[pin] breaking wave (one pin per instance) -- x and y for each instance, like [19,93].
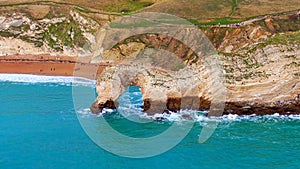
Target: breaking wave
[61,80]
[196,116]
[132,102]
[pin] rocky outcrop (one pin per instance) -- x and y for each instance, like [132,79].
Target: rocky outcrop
[173,70]
[261,70]
[261,93]
[67,34]
[162,89]
[260,63]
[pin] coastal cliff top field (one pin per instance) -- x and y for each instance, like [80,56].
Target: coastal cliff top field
[203,10]
[198,10]
[73,14]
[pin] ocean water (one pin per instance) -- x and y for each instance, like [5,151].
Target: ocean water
[39,128]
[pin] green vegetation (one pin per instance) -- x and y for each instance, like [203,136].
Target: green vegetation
[246,65]
[6,34]
[234,6]
[132,25]
[47,2]
[22,28]
[83,10]
[67,34]
[36,42]
[32,3]
[284,39]
[217,21]
[278,39]
[192,9]
[17,4]
[127,7]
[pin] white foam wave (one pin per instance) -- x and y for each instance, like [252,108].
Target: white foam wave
[62,80]
[85,113]
[255,118]
[201,117]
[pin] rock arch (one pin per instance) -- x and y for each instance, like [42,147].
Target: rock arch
[179,65]
[163,75]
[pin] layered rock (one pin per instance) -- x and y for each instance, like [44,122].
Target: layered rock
[262,76]
[188,88]
[260,60]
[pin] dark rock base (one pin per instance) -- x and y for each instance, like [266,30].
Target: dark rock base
[239,108]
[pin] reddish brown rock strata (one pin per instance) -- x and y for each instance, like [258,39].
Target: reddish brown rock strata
[239,108]
[286,107]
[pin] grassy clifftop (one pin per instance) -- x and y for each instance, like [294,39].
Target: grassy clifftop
[209,10]
[198,10]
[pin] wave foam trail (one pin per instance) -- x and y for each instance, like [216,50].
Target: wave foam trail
[31,79]
[197,116]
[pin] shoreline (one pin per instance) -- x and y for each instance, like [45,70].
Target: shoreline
[81,67]
[50,65]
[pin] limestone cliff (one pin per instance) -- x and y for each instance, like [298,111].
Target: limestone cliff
[44,29]
[261,60]
[261,63]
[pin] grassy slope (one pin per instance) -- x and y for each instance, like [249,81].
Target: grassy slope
[103,5]
[204,10]
[197,11]
[200,10]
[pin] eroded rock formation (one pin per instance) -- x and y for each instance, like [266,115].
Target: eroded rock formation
[260,61]
[261,70]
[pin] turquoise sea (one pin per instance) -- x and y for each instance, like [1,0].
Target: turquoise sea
[39,128]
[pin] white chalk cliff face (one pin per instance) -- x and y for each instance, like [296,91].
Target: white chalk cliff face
[12,46]
[66,35]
